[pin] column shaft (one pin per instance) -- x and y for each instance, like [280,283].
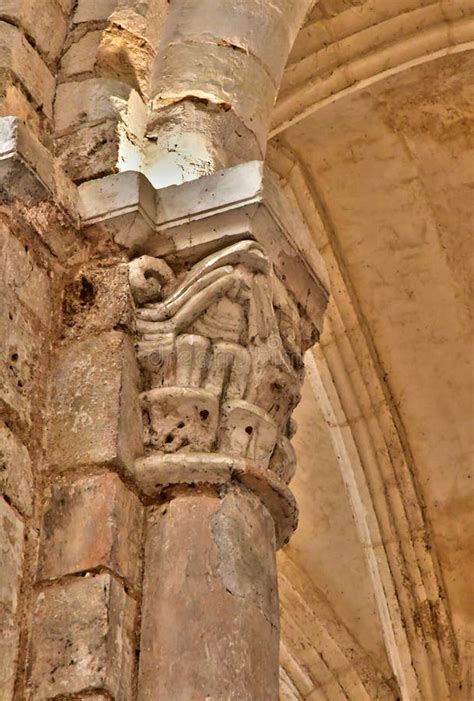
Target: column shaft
[210,608]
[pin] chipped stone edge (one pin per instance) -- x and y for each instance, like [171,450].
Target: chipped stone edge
[155,473]
[40,178]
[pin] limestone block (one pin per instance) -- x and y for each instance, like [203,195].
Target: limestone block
[11,563]
[24,277]
[16,478]
[95,522]
[95,411]
[37,17]
[81,56]
[18,57]
[98,299]
[82,639]
[93,10]
[87,102]
[89,152]
[21,347]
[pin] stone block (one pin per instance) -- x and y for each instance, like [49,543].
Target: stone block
[16,478]
[89,152]
[93,10]
[95,410]
[37,17]
[21,345]
[11,564]
[109,301]
[81,56]
[18,57]
[82,639]
[95,522]
[87,102]
[240,24]
[24,277]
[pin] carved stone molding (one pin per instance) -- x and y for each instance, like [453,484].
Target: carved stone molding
[220,344]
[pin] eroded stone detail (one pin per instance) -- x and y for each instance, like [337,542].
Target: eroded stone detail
[220,346]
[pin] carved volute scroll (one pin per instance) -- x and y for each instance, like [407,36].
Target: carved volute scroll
[220,346]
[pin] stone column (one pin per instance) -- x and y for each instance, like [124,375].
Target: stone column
[216,76]
[220,347]
[224,308]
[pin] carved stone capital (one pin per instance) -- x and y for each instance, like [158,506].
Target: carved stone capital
[220,344]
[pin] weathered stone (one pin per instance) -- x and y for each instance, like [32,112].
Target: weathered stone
[16,478]
[11,535]
[21,343]
[98,299]
[81,56]
[18,56]
[238,25]
[66,5]
[23,276]
[93,10]
[90,151]
[87,102]
[179,79]
[11,563]
[9,644]
[36,179]
[82,639]
[96,522]
[95,412]
[37,17]
[14,102]
[210,571]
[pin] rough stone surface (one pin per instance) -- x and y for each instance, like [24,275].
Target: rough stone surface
[109,535]
[82,639]
[11,562]
[81,56]
[210,575]
[18,56]
[24,317]
[16,478]
[93,10]
[87,102]
[23,276]
[95,413]
[98,299]
[37,17]
[21,346]
[90,151]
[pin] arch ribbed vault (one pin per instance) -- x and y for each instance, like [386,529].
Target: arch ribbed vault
[347,46]
[372,138]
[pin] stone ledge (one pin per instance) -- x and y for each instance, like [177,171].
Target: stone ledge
[197,217]
[155,473]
